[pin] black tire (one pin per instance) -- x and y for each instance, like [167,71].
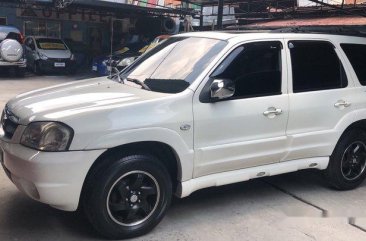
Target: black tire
[116,179]
[339,172]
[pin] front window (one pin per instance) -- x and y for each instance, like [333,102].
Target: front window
[50,44]
[174,64]
[255,68]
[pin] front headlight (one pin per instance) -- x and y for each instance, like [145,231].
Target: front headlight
[47,136]
[42,56]
[126,61]
[72,57]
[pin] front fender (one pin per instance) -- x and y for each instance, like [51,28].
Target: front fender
[158,134]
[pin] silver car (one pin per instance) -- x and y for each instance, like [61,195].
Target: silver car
[48,55]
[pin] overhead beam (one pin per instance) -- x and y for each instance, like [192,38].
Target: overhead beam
[220,13]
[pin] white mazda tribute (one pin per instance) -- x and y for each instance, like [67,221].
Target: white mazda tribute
[200,110]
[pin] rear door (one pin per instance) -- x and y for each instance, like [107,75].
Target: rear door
[321,94]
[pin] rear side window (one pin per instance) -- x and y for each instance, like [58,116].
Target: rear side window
[315,66]
[356,54]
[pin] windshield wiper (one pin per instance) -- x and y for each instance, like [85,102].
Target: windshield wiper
[122,80]
[139,82]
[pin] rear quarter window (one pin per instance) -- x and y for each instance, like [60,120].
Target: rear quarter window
[315,66]
[356,53]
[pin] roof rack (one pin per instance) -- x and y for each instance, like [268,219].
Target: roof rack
[336,30]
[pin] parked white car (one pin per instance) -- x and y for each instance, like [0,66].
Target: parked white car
[199,110]
[11,50]
[46,54]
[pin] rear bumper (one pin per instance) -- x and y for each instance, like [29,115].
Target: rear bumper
[54,178]
[19,64]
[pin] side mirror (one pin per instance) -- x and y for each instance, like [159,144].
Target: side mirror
[222,89]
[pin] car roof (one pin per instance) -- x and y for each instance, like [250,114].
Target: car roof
[206,34]
[7,29]
[250,35]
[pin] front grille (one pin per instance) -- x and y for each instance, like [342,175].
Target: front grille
[8,123]
[57,59]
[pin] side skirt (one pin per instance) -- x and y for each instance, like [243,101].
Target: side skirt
[218,179]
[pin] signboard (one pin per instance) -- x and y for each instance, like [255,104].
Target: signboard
[65,14]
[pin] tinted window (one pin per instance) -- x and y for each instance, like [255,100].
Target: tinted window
[356,54]
[315,66]
[255,68]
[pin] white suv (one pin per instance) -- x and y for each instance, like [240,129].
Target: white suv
[199,110]
[11,50]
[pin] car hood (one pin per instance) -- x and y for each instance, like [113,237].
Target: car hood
[56,54]
[62,102]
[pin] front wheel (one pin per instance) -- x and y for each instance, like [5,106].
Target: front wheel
[129,197]
[347,164]
[37,68]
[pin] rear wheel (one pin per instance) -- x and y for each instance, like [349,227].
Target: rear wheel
[129,197]
[347,164]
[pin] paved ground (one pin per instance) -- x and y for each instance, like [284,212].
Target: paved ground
[296,206]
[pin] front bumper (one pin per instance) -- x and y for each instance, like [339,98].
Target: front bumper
[54,178]
[49,65]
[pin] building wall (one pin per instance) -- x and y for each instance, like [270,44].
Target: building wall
[80,27]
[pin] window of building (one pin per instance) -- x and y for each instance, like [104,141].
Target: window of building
[316,66]
[356,54]
[42,28]
[255,68]
[3,21]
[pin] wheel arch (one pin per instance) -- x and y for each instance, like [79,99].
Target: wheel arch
[164,152]
[359,124]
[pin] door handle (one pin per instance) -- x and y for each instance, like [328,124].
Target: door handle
[272,112]
[342,103]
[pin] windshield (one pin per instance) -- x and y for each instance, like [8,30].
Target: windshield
[50,44]
[174,64]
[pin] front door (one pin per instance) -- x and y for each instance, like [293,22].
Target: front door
[247,129]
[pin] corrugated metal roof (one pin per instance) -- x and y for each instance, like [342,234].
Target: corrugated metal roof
[330,21]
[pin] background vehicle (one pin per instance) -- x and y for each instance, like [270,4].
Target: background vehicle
[123,57]
[12,50]
[121,63]
[48,55]
[81,52]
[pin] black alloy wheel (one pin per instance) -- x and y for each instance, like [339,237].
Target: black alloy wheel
[347,164]
[133,198]
[354,160]
[125,197]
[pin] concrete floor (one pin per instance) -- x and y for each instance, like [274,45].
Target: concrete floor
[295,206]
